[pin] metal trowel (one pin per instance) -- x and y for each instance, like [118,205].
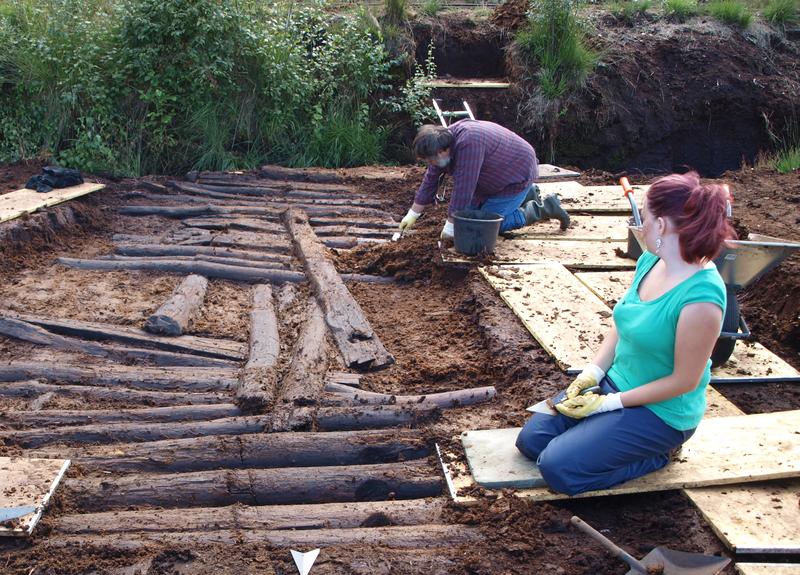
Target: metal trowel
[546,406]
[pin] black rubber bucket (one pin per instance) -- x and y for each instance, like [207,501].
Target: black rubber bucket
[475,231]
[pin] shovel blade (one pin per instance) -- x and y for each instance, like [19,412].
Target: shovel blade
[681,563]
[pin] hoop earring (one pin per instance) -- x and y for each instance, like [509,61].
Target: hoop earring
[658,244]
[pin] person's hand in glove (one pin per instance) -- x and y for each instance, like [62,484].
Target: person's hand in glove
[589,377]
[589,404]
[447,231]
[409,220]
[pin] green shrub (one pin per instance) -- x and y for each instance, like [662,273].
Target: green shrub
[731,12]
[781,12]
[555,40]
[680,10]
[432,7]
[144,86]
[629,10]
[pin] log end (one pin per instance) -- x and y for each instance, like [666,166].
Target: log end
[163,325]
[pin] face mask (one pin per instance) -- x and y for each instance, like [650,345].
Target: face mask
[443,162]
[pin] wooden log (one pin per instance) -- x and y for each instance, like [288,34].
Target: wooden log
[352,230]
[202,258]
[304,381]
[358,343]
[372,417]
[157,250]
[238,223]
[174,315]
[134,396]
[221,348]
[257,380]
[194,379]
[346,243]
[105,433]
[287,294]
[282,196]
[442,400]
[207,269]
[279,486]
[247,451]
[270,172]
[369,279]
[25,331]
[188,237]
[323,419]
[320,516]
[259,209]
[383,224]
[76,417]
[411,537]
[39,403]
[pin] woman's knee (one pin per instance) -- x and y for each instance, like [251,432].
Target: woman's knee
[533,438]
[558,471]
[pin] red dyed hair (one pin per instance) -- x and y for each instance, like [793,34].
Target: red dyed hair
[698,210]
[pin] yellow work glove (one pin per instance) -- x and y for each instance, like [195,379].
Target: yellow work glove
[409,220]
[589,377]
[589,404]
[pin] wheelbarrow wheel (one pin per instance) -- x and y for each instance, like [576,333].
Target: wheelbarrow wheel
[730,324]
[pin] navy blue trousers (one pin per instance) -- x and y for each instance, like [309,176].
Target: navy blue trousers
[599,451]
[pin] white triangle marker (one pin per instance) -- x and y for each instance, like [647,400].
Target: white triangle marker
[304,561]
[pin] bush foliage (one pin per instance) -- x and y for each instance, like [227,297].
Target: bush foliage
[147,86]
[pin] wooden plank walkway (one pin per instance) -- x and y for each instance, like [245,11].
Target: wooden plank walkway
[24,201]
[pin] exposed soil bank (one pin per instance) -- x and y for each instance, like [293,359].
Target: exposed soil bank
[664,95]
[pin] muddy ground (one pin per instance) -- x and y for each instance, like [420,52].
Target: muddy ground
[447,330]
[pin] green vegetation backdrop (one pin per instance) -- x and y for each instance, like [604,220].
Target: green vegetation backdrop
[149,86]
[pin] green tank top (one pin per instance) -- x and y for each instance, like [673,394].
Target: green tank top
[646,347]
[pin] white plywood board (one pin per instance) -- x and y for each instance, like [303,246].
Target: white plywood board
[576,197]
[590,228]
[608,286]
[753,518]
[575,254]
[752,362]
[723,451]
[20,202]
[566,318]
[25,482]
[551,172]
[768,568]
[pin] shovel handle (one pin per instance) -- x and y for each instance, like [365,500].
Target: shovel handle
[634,564]
[627,191]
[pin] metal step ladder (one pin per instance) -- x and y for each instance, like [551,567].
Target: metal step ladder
[460,114]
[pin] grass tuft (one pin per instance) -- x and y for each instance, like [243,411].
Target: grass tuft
[731,12]
[432,7]
[680,10]
[782,12]
[628,10]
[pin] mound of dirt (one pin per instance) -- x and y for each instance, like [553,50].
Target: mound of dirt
[511,15]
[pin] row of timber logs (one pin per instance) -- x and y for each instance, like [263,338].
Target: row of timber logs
[220,348]
[174,316]
[276,486]
[114,394]
[415,537]
[321,516]
[358,343]
[235,273]
[442,400]
[258,378]
[227,261]
[246,451]
[78,417]
[260,209]
[320,419]
[185,379]
[276,197]
[11,327]
[161,250]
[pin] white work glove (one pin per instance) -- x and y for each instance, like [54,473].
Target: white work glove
[409,220]
[447,231]
[591,376]
[589,404]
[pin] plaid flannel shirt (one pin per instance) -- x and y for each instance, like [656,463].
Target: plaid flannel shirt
[486,161]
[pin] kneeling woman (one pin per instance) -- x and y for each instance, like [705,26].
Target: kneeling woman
[653,365]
